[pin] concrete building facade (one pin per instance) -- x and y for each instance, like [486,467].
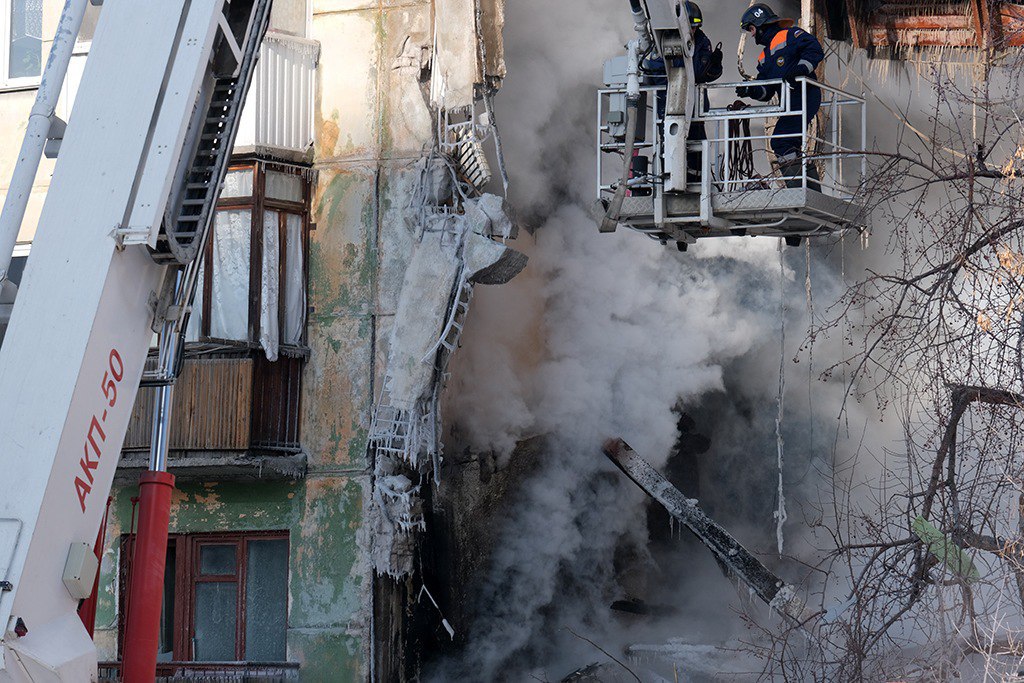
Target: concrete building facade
[269,567]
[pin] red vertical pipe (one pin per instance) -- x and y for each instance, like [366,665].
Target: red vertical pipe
[145,593]
[87,610]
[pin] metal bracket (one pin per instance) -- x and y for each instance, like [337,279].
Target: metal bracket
[6,586]
[125,236]
[54,137]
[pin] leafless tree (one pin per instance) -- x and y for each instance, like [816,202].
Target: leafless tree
[936,339]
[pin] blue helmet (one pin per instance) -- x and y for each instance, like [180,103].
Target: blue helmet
[759,15]
[696,16]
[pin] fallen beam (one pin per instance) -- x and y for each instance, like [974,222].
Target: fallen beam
[776,593]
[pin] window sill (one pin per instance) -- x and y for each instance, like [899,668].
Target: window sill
[208,345]
[18,87]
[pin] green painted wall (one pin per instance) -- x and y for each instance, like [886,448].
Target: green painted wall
[326,596]
[372,125]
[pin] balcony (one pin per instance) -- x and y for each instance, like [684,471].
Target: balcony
[277,120]
[237,412]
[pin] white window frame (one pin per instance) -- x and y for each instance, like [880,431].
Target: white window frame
[7,83]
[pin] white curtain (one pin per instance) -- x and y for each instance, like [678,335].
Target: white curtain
[295,281]
[229,301]
[269,301]
[195,320]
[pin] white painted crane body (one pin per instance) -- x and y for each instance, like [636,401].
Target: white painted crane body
[127,210]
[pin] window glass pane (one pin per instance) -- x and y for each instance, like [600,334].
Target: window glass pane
[26,47]
[289,16]
[217,560]
[229,304]
[17,269]
[14,272]
[165,653]
[284,186]
[216,615]
[294,282]
[266,601]
[195,319]
[237,184]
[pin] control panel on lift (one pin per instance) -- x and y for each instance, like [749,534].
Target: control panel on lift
[651,178]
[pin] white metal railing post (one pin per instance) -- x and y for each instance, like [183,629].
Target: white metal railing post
[863,139]
[600,139]
[803,133]
[39,121]
[837,176]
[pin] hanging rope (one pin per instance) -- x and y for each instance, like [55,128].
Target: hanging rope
[739,52]
[780,511]
[741,151]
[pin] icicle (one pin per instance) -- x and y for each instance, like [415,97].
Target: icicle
[810,336]
[780,512]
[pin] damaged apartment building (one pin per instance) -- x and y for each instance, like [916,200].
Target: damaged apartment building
[364,202]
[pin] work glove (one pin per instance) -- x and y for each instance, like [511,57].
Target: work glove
[799,70]
[716,58]
[745,91]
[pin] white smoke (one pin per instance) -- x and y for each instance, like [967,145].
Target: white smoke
[603,336]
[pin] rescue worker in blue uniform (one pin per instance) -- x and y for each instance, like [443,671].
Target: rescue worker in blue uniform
[707,68]
[789,53]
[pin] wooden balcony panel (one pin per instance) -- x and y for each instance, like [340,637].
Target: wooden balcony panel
[921,38]
[275,410]
[941,22]
[212,407]
[1011,19]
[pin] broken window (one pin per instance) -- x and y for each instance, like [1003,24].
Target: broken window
[225,597]
[253,280]
[23,55]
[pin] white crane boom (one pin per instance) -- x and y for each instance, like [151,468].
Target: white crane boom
[74,352]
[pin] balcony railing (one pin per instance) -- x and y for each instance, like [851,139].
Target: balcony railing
[278,116]
[210,672]
[227,404]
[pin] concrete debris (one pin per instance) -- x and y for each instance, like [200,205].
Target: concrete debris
[604,672]
[434,187]
[490,215]
[453,251]
[696,660]
[400,502]
[492,263]
[468,51]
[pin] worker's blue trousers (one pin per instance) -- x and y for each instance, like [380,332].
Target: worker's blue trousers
[787,125]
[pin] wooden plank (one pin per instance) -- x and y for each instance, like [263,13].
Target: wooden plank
[939,22]
[961,38]
[726,549]
[1011,21]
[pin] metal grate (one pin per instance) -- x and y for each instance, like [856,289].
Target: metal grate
[110,672]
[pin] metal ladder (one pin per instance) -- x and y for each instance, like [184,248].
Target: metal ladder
[449,339]
[191,212]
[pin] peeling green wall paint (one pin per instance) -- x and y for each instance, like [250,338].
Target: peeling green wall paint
[322,516]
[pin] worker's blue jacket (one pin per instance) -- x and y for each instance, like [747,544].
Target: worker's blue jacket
[789,53]
[706,69]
